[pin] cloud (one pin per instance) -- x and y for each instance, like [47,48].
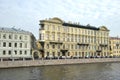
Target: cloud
[27,13]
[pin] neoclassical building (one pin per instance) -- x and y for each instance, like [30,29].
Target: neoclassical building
[115,46]
[61,39]
[16,44]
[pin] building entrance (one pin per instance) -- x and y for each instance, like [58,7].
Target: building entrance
[35,55]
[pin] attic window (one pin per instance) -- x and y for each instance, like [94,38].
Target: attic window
[42,26]
[10,36]
[4,36]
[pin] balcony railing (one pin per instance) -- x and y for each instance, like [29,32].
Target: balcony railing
[56,42]
[98,50]
[103,45]
[83,44]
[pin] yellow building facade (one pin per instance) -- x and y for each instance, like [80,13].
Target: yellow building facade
[72,40]
[115,46]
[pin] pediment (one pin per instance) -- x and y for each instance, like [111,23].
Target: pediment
[103,28]
[57,20]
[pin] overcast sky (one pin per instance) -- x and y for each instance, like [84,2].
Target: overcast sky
[25,14]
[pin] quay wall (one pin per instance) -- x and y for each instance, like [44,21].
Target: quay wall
[30,63]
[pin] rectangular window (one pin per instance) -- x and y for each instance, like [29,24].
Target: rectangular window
[53,28]
[25,52]
[15,45]
[71,29]
[58,37]
[75,46]
[58,46]
[10,36]
[15,36]
[9,52]
[68,53]
[20,37]
[47,53]
[53,46]
[42,26]
[25,37]
[47,36]
[63,46]
[53,54]
[71,46]
[40,36]
[20,45]
[75,53]
[4,36]
[53,36]
[25,45]
[58,28]
[4,52]
[48,46]
[58,53]
[20,52]
[47,27]
[68,38]
[63,37]
[15,52]
[10,45]
[4,44]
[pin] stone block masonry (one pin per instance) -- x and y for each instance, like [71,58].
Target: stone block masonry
[30,63]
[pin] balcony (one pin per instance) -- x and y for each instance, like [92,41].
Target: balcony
[103,45]
[98,50]
[56,42]
[63,50]
[83,44]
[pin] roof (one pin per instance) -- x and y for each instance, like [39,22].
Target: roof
[115,38]
[69,24]
[14,30]
[81,26]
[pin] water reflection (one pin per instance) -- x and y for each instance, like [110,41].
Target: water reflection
[101,71]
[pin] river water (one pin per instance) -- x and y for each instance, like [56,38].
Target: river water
[97,71]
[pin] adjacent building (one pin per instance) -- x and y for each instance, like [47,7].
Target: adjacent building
[115,46]
[16,44]
[72,40]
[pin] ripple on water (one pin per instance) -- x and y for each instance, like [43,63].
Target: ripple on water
[97,71]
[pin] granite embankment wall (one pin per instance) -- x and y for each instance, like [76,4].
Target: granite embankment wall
[11,64]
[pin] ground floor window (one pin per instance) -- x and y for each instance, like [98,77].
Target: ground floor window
[68,53]
[75,53]
[47,53]
[58,53]
[53,53]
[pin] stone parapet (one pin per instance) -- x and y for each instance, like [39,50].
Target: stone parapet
[30,63]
